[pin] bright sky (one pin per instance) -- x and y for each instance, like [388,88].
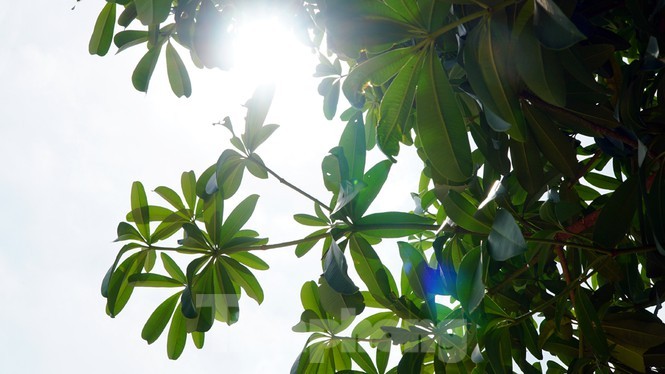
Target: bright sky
[74,135]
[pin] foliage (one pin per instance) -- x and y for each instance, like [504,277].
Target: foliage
[545,227]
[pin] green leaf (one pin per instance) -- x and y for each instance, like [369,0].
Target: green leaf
[226,296]
[140,210]
[158,320]
[335,271]
[171,196]
[527,165]
[371,326]
[172,268]
[557,147]
[128,15]
[263,135]
[392,224]
[119,289]
[377,70]
[553,28]
[251,260]
[177,72]
[441,125]
[309,297]
[228,173]
[396,106]
[244,278]
[257,110]
[374,180]
[589,325]
[540,69]
[488,64]
[424,280]
[107,278]
[616,217]
[602,181]
[102,35]
[153,280]
[347,192]
[338,305]
[144,69]
[128,232]
[304,247]
[213,216]
[359,356]
[129,38]
[411,362]
[188,185]
[371,270]
[177,335]
[309,220]
[498,347]
[151,12]
[198,338]
[462,211]
[237,219]
[352,143]
[470,286]
[329,89]
[505,239]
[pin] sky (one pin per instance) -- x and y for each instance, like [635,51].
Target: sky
[74,135]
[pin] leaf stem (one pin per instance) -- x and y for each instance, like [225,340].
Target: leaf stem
[266,247]
[287,183]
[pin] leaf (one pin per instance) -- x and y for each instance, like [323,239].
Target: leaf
[213,217]
[359,356]
[305,246]
[540,69]
[553,28]
[177,72]
[527,165]
[392,224]
[172,268]
[374,180]
[335,271]
[396,106]
[153,280]
[498,348]
[251,260]
[505,239]
[488,65]
[238,218]
[140,210]
[102,35]
[128,15]
[188,185]
[128,232]
[352,143]
[171,196]
[470,286]
[257,110]
[411,362]
[158,320]
[263,135]
[371,270]
[329,89]
[129,38]
[228,173]
[244,278]
[440,124]
[309,220]
[144,69]
[377,70]
[424,280]
[616,216]
[226,296]
[347,192]
[177,335]
[340,306]
[557,147]
[589,325]
[462,211]
[119,289]
[151,12]
[198,338]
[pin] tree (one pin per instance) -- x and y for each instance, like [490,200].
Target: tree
[546,227]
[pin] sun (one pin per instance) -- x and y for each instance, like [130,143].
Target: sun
[266,50]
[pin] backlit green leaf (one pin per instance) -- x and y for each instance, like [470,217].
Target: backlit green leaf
[470,285]
[158,320]
[102,35]
[151,12]
[177,72]
[440,125]
[505,239]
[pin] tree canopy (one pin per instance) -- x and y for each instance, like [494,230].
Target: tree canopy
[540,210]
